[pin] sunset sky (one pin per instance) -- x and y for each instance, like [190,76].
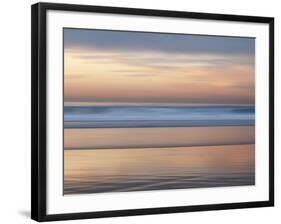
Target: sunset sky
[138,67]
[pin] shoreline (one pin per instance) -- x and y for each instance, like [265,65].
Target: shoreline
[165,147]
[109,138]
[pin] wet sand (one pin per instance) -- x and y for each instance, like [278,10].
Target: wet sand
[120,138]
[121,170]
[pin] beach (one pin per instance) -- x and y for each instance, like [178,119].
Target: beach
[100,160]
[121,170]
[120,138]
[148,147]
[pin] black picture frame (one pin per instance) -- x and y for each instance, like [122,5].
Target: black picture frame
[39,107]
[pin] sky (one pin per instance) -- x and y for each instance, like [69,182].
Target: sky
[138,67]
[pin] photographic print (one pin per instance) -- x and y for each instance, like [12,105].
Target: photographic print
[141,111]
[157,111]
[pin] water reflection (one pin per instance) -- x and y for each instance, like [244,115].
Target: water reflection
[118,170]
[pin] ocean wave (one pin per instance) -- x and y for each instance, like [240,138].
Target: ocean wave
[153,116]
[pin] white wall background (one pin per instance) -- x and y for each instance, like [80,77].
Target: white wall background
[15,110]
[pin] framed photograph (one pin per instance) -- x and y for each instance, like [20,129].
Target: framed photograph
[139,111]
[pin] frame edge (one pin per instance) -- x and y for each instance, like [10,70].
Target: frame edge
[38,113]
[271,111]
[154,12]
[34,114]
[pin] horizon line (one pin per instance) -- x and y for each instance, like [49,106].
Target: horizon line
[153,103]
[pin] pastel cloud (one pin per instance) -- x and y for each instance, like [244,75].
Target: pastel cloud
[135,70]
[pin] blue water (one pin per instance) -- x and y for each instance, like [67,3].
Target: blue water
[157,116]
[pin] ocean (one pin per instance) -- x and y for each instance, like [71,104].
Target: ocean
[157,116]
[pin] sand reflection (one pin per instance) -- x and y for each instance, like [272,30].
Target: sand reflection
[93,171]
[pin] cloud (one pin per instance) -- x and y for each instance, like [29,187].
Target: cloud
[155,61]
[102,66]
[143,41]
